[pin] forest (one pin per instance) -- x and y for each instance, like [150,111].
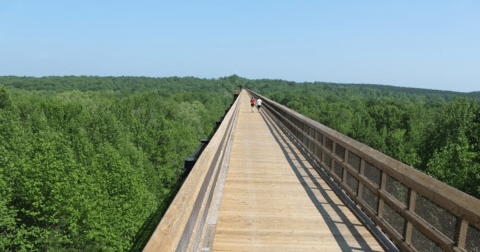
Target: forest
[91,163]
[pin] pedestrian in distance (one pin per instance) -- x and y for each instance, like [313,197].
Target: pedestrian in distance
[253,103]
[259,105]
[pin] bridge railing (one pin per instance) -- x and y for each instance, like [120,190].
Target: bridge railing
[188,223]
[416,211]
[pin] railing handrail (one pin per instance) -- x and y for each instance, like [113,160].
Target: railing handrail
[465,207]
[184,222]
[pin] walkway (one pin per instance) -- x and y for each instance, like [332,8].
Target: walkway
[275,201]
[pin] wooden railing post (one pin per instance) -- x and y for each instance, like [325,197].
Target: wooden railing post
[315,144]
[381,202]
[345,171]
[412,199]
[360,185]
[323,152]
[461,233]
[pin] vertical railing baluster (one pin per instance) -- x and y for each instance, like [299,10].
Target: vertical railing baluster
[323,152]
[461,233]
[344,177]
[412,199]
[332,168]
[360,185]
[381,203]
[344,171]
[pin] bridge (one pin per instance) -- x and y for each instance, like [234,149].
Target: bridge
[275,180]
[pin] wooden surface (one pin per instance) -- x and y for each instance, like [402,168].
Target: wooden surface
[167,236]
[275,201]
[465,207]
[448,197]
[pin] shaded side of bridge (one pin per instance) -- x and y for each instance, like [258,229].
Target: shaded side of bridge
[221,201]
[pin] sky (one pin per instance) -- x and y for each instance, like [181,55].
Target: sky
[422,44]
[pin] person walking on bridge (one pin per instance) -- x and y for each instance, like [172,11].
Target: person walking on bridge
[253,103]
[259,105]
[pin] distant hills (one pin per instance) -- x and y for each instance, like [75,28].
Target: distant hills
[410,90]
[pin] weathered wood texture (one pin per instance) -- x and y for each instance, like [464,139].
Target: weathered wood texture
[275,201]
[398,198]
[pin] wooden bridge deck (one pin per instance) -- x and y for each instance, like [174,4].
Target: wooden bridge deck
[252,190]
[274,200]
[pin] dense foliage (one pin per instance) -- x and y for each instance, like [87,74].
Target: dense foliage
[437,132]
[84,170]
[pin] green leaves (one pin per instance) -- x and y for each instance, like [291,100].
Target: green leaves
[87,170]
[5,99]
[454,156]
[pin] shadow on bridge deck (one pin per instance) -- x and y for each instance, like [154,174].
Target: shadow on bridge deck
[274,200]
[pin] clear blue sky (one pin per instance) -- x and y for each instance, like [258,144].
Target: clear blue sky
[424,44]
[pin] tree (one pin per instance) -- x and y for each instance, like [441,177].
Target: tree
[5,99]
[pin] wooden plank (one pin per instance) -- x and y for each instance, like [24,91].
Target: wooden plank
[275,201]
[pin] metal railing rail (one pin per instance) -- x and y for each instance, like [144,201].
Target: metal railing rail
[416,211]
